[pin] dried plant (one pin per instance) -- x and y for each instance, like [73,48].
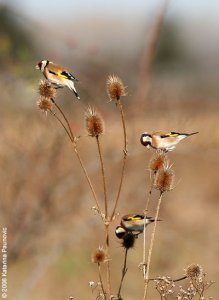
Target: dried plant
[158,161]
[195,285]
[115,88]
[163,181]
[99,257]
[128,242]
[44,104]
[46,89]
[161,178]
[164,286]
[94,123]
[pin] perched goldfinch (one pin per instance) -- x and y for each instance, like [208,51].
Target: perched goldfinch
[132,223]
[164,141]
[57,75]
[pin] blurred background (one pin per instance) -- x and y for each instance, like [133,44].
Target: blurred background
[168,57]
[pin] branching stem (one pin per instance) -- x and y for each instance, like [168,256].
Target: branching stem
[124,271]
[101,282]
[125,152]
[151,246]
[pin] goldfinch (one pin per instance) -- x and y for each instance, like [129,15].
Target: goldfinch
[132,223]
[164,141]
[57,75]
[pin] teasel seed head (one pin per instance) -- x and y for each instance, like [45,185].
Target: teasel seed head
[115,88]
[128,241]
[94,123]
[44,104]
[99,256]
[46,89]
[158,160]
[194,271]
[164,179]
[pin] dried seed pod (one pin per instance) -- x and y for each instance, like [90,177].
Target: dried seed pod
[44,104]
[94,122]
[164,179]
[46,89]
[115,88]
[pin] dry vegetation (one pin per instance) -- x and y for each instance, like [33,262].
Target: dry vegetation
[48,206]
[62,195]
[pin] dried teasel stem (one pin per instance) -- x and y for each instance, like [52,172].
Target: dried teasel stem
[101,281]
[88,180]
[99,257]
[163,182]
[116,90]
[66,120]
[95,127]
[151,246]
[73,141]
[128,242]
[124,271]
[157,162]
[62,124]
[108,272]
[103,176]
[125,152]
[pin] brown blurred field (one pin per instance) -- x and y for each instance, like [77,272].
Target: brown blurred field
[46,203]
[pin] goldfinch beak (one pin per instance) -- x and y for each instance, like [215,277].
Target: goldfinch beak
[37,67]
[148,146]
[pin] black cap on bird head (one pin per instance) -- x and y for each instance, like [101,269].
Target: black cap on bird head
[146,139]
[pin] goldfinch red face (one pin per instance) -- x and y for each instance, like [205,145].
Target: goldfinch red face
[41,65]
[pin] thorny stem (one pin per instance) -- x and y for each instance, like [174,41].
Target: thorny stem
[150,191]
[124,127]
[125,152]
[173,280]
[106,223]
[101,282]
[66,120]
[108,277]
[145,214]
[103,176]
[62,124]
[124,271]
[73,141]
[88,180]
[151,247]
[179,279]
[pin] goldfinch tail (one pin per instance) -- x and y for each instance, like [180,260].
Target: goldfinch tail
[76,94]
[192,133]
[73,89]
